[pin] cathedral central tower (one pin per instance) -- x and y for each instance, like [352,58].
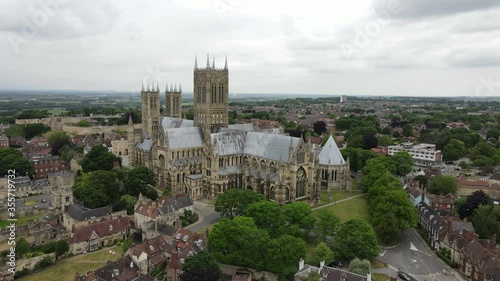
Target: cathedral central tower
[211,97]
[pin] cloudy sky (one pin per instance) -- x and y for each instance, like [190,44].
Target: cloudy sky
[359,47]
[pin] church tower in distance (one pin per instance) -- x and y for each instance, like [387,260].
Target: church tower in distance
[151,109]
[173,101]
[210,97]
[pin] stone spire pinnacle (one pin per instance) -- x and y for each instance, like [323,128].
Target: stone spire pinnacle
[225,63]
[175,87]
[195,61]
[213,62]
[142,86]
[157,86]
[166,87]
[171,89]
[130,121]
[148,86]
[208,61]
[180,88]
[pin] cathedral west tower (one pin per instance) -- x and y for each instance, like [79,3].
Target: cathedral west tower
[150,109]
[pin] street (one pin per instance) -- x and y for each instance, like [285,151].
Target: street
[20,202]
[414,257]
[207,216]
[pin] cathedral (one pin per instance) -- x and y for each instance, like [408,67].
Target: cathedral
[206,156]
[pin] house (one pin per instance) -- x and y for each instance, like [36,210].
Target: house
[327,273]
[45,165]
[17,141]
[93,236]
[468,186]
[443,204]
[75,215]
[186,243]
[151,254]
[167,209]
[124,269]
[4,141]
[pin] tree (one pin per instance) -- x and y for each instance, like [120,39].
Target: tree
[98,189]
[443,185]
[138,180]
[361,267]
[356,238]
[387,228]
[463,165]
[404,163]
[397,203]
[98,158]
[321,253]
[319,127]
[408,130]
[33,130]
[486,221]
[201,266]
[386,131]
[12,159]
[473,201]
[454,150]
[384,140]
[475,126]
[234,202]
[61,247]
[58,140]
[284,255]
[422,180]
[300,214]
[327,224]
[128,203]
[267,215]
[22,247]
[239,242]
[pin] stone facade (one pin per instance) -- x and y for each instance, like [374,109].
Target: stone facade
[206,156]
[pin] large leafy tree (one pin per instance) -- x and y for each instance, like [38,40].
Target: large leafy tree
[407,130]
[58,140]
[477,198]
[284,255]
[327,224]
[268,216]
[300,214]
[234,202]
[442,185]
[356,238]
[361,267]
[387,228]
[454,150]
[239,242]
[486,221]
[404,163]
[98,189]
[12,159]
[33,130]
[98,158]
[202,266]
[397,203]
[139,180]
[321,253]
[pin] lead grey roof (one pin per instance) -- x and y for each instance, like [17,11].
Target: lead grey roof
[170,122]
[242,127]
[80,213]
[229,142]
[273,147]
[145,145]
[188,137]
[4,137]
[330,153]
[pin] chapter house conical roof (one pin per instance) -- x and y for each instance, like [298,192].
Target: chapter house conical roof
[330,154]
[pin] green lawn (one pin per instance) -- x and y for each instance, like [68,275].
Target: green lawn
[24,220]
[65,269]
[379,277]
[336,196]
[350,209]
[30,202]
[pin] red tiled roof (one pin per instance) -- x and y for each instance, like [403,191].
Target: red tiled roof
[102,229]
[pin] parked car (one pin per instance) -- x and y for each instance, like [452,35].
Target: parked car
[35,207]
[44,200]
[336,263]
[404,276]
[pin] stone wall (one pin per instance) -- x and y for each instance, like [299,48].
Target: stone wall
[256,275]
[31,262]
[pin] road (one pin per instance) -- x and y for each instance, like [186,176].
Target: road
[20,202]
[207,216]
[414,257]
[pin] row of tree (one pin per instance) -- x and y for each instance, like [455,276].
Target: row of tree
[389,205]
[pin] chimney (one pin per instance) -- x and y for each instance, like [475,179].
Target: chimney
[449,226]
[301,264]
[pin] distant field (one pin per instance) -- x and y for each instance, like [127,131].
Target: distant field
[65,269]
